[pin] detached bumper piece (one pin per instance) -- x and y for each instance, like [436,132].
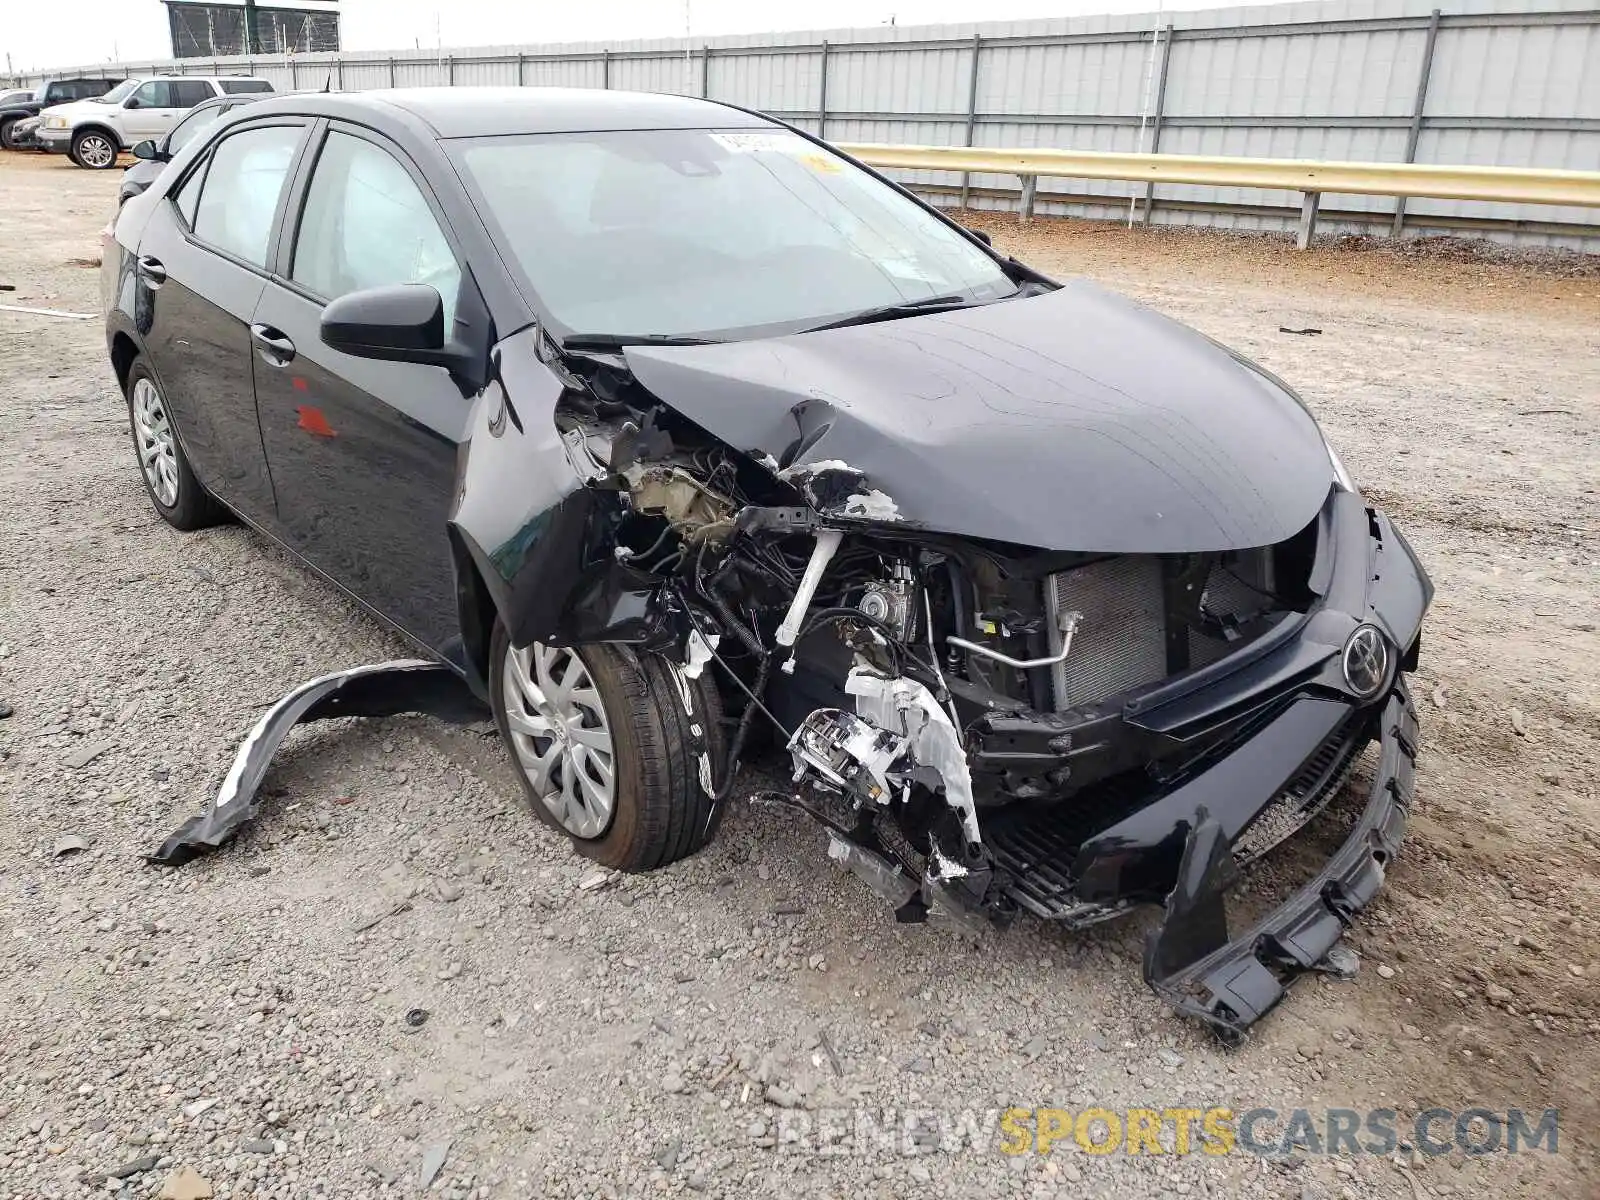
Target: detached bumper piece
[381,690]
[1191,963]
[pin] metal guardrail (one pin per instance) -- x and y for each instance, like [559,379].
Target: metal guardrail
[1505,185]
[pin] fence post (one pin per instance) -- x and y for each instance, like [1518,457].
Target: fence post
[705,71]
[1030,187]
[338,66]
[1155,121]
[294,74]
[450,70]
[972,111]
[391,70]
[1415,133]
[1308,218]
[822,95]
[605,68]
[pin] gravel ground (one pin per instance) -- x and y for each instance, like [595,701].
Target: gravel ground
[673,1033]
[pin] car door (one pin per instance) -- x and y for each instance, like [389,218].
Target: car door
[363,452]
[153,109]
[203,259]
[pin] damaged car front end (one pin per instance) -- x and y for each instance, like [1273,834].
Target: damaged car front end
[1042,627]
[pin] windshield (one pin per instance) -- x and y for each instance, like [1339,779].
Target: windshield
[119,93]
[695,232]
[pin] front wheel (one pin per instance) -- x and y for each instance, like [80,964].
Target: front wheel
[613,748]
[8,138]
[94,150]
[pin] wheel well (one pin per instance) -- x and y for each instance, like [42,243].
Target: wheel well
[123,352]
[92,128]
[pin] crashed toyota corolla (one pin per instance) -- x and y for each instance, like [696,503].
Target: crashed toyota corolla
[677,434]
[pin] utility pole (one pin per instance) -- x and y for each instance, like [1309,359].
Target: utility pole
[252,34]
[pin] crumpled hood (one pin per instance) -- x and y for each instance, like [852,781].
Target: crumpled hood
[1073,420]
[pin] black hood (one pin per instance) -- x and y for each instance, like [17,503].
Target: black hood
[1073,420]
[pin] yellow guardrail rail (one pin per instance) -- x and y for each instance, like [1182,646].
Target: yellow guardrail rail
[1504,185]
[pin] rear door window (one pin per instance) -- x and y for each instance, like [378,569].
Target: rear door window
[239,195]
[186,93]
[235,87]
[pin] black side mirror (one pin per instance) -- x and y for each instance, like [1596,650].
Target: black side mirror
[981,235]
[400,323]
[131,102]
[148,151]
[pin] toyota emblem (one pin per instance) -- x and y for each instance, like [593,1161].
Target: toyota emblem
[1366,661]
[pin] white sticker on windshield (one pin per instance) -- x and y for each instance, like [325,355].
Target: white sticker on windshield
[760,143]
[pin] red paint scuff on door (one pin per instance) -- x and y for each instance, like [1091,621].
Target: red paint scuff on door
[313,422]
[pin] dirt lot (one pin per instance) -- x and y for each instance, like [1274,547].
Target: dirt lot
[660,1034]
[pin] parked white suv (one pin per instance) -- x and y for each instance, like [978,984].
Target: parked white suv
[93,131]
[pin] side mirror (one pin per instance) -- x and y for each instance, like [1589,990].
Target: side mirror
[131,102]
[400,323]
[980,234]
[148,151]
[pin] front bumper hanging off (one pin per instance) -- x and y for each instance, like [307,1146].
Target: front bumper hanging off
[1231,983]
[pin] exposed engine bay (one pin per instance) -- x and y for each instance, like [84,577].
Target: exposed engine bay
[919,682]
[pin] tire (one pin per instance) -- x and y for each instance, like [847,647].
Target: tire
[168,479]
[94,149]
[6,139]
[660,809]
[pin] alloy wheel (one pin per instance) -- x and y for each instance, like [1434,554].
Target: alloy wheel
[158,456]
[96,151]
[561,736]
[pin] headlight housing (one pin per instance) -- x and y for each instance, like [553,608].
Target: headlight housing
[55,122]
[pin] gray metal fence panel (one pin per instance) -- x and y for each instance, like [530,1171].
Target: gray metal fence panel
[1510,82]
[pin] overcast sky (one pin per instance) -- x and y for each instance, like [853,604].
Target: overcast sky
[76,32]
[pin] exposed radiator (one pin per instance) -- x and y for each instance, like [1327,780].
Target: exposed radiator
[1121,641]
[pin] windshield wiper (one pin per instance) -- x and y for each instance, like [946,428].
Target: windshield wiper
[890,312]
[616,341]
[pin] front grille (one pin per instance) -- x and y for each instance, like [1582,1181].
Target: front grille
[1308,793]
[1036,845]
[1121,641]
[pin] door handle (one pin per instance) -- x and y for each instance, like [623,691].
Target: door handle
[275,348]
[151,270]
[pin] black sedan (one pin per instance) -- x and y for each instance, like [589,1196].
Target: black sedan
[675,433]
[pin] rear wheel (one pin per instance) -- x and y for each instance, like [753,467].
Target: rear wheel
[94,150]
[614,749]
[7,136]
[168,479]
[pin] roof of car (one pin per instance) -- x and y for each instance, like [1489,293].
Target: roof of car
[483,111]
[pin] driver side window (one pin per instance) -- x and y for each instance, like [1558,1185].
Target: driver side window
[155,94]
[366,224]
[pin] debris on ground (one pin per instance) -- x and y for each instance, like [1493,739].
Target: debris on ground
[433,1159]
[85,754]
[185,1184]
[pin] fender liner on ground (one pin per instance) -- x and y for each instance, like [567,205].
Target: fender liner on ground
[379,690]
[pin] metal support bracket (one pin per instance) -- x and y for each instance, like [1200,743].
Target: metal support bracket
[1308,218]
